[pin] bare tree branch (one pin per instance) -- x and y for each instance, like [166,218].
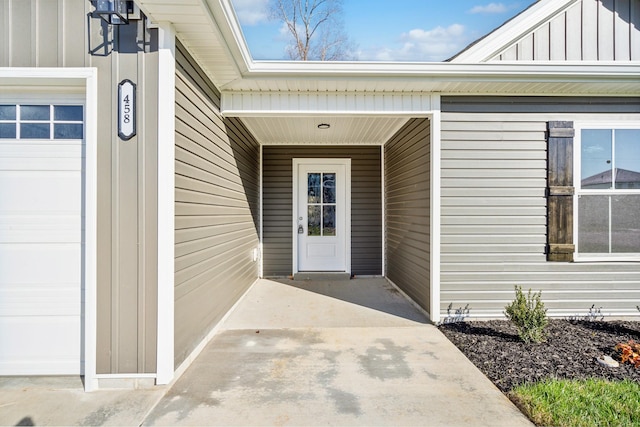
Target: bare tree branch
[315,27]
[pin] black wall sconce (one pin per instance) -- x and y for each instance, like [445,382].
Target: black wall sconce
[115,12]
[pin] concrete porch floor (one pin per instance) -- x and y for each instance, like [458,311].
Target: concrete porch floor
[322,352]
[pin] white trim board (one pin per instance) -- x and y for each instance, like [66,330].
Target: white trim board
[75,80]
[166,203]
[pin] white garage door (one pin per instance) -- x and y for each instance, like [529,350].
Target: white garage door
[41,163]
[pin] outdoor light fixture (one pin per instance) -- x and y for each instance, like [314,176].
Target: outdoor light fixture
[324,126]
[115,12]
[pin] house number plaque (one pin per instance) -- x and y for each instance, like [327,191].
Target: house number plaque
[126,109]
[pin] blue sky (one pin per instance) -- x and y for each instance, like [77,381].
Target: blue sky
[390,30]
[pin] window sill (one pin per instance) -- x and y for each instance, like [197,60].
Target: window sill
[607,258]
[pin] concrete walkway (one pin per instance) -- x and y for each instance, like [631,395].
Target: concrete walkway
[300,353]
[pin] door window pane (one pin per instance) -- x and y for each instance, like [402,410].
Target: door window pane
[625,223]
[35,131]
[67,131]
[328,220]
[329,188]
[596,158]
[593,226]
[627,158]
[313,180]
[313,222]
[7,112]
[35,112]
[7,130]
[69,113]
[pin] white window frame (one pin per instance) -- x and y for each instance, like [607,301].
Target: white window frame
[577,168]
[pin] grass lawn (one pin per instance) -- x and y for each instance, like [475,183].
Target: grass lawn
[580,402]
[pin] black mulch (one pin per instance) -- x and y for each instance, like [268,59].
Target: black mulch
[570,351]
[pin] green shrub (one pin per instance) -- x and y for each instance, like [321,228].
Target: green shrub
[529,316]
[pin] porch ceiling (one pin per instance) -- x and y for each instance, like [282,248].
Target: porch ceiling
[345,130]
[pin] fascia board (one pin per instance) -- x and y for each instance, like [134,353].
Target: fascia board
[513,30]
[445,70]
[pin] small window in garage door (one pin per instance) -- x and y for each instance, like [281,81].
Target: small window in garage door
[41,229]
[23,121]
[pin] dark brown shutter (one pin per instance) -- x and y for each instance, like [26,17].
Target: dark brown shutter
[560,191]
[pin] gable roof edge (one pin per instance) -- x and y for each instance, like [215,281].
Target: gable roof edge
[512,31]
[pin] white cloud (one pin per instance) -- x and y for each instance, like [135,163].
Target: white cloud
[436,44]
[251,12]
[489,8]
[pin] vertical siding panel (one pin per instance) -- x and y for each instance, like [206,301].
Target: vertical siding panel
[635,30]
[21,33]
[46,33]
[574,30]
[407,206]
[558,39]
[5,33]
[72,50]
[605,30]
[510,54]
[217,196]
[590,30]
[366,205]
[622,27]
[542,41]
[525,49]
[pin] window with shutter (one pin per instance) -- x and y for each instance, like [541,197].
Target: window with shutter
[560,191]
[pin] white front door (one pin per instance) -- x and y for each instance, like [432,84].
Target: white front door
[322,215]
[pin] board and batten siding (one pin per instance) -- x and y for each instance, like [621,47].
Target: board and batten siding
[217,207]
[366,206]
[494,210]
[589,30]
[407,214]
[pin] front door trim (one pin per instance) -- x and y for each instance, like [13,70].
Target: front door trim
[294,223]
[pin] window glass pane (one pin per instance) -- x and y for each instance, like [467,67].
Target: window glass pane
[593,224]
[314,194]
[35,112]
[72,113]
[7,130]
[595,158]
[625,227]
[627,158]
[67,131]
[329,221]
[7,112]
[313,221]
[34,130]
[329,188]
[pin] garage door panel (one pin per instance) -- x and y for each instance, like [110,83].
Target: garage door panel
[40,229]
[33,191]
[41,247]
[34,345]
[38,300]
[40,263]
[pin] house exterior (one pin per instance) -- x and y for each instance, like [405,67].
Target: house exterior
[151,172]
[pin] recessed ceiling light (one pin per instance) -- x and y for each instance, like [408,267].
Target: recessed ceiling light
[324,126]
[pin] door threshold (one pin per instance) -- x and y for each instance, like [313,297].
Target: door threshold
[321,275]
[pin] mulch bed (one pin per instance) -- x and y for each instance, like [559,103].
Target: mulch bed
[570,351]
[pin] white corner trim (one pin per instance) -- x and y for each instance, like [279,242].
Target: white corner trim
[384,210]
[435,203]
[91,232]
[261,210]
[166,202]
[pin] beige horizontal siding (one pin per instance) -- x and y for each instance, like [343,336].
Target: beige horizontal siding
[216,223]
[366,206]
[494,216]
[407,214]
